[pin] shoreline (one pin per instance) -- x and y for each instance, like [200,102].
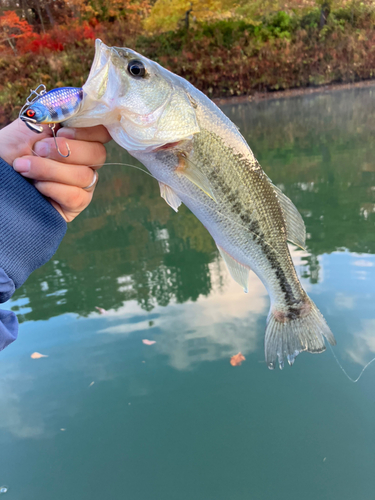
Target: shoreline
[278,94]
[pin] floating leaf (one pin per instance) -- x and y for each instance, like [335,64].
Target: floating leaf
[237,359]
[101,310]
[148,342]
[37,355]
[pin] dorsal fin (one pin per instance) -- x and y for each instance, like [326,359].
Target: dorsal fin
[239,272]
[295,227]
[170,196]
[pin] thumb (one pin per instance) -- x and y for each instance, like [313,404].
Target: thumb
[18,140]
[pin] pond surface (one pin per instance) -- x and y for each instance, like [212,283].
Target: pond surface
[106,416]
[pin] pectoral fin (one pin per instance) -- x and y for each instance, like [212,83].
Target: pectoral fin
[170,196]
[192,172]
[239,272]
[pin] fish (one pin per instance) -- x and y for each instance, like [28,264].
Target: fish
[51,107]
[201,159]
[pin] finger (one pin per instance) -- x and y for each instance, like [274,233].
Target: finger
[44,169]
[71,199]
[90,134]
[81,152]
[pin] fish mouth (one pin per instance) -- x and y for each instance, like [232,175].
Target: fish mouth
[101,58]
[32,124]
[97,81]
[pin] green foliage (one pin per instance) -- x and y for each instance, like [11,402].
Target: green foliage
[226,32]
[356,14]
[279,25]
[170,43]
[310,20]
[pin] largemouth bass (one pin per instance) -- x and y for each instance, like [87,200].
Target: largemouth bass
[201,159]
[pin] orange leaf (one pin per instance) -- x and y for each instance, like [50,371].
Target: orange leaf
[101,310]
[37,355]
[237,359]
[148,342]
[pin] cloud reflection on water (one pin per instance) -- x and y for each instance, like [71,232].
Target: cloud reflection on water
[362,346]
[213,327]
[210,328]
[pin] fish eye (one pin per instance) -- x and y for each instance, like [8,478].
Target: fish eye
[136,68]
[30,113]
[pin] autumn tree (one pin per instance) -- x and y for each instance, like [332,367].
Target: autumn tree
[12,28]
[41,14]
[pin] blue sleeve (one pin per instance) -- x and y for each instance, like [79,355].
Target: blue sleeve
[8,320]
[30,233]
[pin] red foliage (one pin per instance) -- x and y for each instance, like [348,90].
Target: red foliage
[39,42]
[12,27]
[57,38]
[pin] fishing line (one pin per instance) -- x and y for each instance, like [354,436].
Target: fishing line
[193,199]
[344,371]
[125,165]
[354,381]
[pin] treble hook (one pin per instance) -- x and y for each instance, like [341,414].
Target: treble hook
[52,127]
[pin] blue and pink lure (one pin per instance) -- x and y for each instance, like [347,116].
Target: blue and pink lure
[51,107]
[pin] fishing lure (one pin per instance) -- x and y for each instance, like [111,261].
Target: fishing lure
[51,107]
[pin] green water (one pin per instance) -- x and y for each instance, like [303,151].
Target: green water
[174,420]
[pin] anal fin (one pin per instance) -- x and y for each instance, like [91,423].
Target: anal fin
[239,272]
[170,196]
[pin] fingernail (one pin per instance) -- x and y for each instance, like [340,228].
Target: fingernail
[68,133]
[42,148]
[21,165]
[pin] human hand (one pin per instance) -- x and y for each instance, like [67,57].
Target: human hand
[62,180]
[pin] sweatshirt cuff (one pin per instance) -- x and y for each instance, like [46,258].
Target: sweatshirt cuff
[8,320]
[8,328]
[30,228]
[7,287]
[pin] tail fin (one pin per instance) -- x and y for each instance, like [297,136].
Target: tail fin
[288,337]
